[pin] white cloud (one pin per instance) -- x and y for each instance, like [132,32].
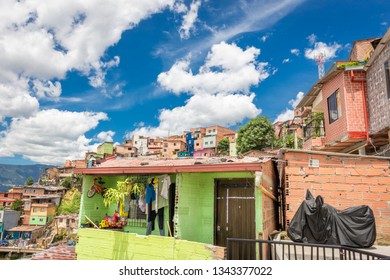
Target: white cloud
[42,40]
[295,52]
[98,74]
[179,7]
[227,69]
[15,100]
[50,136]
[286,60]
[264,38]
[202,111]
[298,98]
[327,51]
[253,15]
[288,114]
[47,89]
[189,20]
[312,39]
[385,23]
[106,136]
[220,90]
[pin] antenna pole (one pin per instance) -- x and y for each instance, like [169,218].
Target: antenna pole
[320,63]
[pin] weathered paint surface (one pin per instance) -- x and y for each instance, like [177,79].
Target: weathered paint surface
[93,207]
[195,215]
[194,221]
[99,244]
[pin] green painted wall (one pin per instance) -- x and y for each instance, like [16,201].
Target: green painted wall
[35,220]
[194,221]
[195,216]
[94,207]
[106,148]
[95,210]
[98,244]
[259,211]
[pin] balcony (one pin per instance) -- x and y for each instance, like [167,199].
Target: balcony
[314,131]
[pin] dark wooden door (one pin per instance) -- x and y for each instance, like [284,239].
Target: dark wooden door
[235,214]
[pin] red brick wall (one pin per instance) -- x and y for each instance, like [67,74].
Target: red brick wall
[338,127]
[313,143]
[269,216]
[352,110]
[343,181]
[354,101]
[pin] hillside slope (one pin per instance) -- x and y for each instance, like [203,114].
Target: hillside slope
[17,174]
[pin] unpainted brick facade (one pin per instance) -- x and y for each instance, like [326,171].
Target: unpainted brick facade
[351,123]
[342,180]
[378,99]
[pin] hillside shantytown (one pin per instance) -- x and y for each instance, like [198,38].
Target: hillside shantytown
[198,196]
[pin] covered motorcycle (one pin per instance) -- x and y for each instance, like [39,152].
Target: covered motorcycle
[319,223]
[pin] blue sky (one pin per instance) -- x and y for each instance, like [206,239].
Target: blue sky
[76,73]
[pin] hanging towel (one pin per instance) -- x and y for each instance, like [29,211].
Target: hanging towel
[166,183]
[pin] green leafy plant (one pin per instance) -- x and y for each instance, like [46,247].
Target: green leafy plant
[318,123]
[122,190]
[347,64]
[17,205]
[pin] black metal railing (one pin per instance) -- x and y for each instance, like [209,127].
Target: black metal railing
[250,249]
[314,128]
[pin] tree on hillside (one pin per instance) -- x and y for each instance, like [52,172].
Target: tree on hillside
[257,134]
[29,181]
[70,204]
[223,146]
[17,205]
[67,183]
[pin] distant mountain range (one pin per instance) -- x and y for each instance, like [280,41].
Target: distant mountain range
[11,175]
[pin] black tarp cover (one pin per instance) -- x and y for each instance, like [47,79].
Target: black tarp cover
[319,223]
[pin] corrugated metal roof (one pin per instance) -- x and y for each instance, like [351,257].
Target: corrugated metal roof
[25,228]
[153,165]
[133,162]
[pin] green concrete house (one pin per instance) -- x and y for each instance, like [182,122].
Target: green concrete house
[205,201]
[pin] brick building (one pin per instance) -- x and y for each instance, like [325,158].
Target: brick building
[343,180]
[348,110]
[378,94]
[334,111]
[7,198]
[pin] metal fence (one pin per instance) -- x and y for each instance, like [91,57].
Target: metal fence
[313,129]
[250,249]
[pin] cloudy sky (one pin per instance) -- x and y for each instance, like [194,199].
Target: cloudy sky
[76,73]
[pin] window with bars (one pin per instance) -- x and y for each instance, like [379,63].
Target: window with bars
[136,218]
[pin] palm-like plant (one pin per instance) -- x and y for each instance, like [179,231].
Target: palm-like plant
[123,189]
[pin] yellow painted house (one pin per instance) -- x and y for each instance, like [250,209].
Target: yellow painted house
[41,214]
